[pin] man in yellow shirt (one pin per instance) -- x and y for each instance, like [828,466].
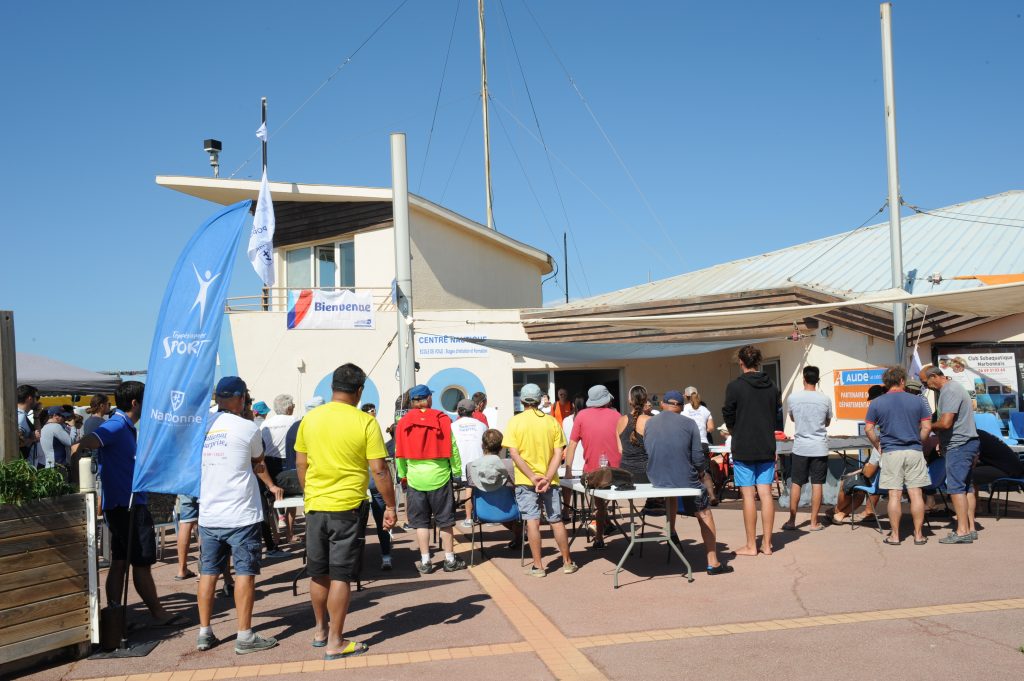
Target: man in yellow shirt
[335,449]
[535,442]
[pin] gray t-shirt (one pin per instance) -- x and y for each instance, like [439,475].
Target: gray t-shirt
[953,399]
[811,410]
[55,443]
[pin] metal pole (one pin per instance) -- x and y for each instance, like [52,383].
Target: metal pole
[403,262]
[487,124]
[899,310]
[263,101]
[565,264]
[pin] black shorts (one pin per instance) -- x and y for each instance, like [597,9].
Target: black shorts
[334,543]
[439,503]
[143,535]
[813,468]
[694,505]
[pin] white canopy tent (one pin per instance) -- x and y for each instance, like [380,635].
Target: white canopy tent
[51,377]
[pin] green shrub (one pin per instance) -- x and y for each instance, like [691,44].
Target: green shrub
[21,482]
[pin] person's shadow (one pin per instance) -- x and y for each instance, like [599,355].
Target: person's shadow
[413,618]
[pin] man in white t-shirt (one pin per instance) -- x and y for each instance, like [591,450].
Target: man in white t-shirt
[230,513]
[812,412]
[469,436]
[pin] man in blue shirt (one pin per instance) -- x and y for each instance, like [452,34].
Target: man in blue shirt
[115,442]
[905,423]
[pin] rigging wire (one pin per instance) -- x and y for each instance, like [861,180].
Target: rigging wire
[839,241]
[922,211]
[370,372]
[540,134]
[604,134]
[458,154]
[437,102]
[324,84]
[529,184]
[611,211]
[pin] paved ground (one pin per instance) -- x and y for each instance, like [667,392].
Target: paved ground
[831,604]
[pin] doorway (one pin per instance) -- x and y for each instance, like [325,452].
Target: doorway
[579,381]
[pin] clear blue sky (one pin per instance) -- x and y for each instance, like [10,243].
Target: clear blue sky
[749,126]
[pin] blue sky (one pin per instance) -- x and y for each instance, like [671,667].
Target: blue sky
[748,126]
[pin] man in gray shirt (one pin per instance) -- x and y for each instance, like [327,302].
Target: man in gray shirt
[960,447]
[54,441]
[812,413]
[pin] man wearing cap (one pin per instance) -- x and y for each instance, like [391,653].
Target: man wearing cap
[594,427]
[535,442]
[468,433]
[337,448]
[231,513]
[675,458]
[960,447]
[54,440]
[427,457]
[115,443]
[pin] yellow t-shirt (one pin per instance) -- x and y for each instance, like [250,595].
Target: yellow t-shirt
[339,440]
[535,435]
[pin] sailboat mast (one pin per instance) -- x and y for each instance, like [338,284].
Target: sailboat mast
[899,310]
[487,124]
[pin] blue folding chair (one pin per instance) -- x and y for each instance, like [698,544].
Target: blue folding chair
[869,490]
[1003,486]
[1016,426]
[991,424]
[498,506]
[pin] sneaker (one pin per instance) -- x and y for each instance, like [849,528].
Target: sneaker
[954,538]
[570,568]
[720,569]
[974,535]
[468,524]
[254,645]
[453,565]
[424,568]
[385,563]
[206,641]
[277,553]
[535,571]
[597,544]
[407,527]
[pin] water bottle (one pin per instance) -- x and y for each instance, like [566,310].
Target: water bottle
[603,461]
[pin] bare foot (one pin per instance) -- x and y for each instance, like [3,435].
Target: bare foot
[766,549]
[747,551]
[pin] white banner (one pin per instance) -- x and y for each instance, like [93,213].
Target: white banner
[316,309]
[448,347]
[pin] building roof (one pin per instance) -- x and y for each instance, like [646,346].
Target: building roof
[984,236]
[227,192]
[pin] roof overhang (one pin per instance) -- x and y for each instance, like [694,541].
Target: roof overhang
[226,192]
[564,353]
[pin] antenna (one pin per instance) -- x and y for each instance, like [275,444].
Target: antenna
[213,148]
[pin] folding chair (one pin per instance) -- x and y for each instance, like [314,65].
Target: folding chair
[937,475]
[1016,426]
[498,506]
[869,490]
[1003,485]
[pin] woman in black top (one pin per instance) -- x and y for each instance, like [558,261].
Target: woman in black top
[630,430]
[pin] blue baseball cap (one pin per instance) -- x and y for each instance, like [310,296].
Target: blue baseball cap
[419,392]
[673,396]
[261,408]
[230,386]
[55,411]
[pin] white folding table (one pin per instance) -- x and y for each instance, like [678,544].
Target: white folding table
[631,496]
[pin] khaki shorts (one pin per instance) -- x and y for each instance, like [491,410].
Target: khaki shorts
[903,467]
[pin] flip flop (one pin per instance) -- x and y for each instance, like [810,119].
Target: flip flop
[175,620]
[188,575]
[888,540]
[819,528]
[319,644]
[921,543]
[351,650]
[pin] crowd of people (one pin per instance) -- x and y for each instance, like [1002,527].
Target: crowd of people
[335,457]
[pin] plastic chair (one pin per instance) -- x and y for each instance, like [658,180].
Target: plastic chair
[497,506]
[992,424]
[869,490]
[1016,426]
[937,475]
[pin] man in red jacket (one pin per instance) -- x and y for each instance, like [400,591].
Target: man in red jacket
[427,457]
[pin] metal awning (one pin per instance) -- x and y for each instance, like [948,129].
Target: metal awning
[580,352]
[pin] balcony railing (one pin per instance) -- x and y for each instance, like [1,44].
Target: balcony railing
[276,299]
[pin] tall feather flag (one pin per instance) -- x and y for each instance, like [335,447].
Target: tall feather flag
[261,241]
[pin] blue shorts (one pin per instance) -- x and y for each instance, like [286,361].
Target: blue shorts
[529,502]
[960,465]
[748,474]
[188,509]
[242,543]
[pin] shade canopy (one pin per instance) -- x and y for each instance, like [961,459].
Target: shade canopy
[983,301]
[580,352]
[51,377]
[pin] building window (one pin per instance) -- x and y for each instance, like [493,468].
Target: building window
[450,397]
[324,266]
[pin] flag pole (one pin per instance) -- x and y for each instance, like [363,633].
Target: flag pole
[127,572]
[263,120]
[263,103]
[899,310]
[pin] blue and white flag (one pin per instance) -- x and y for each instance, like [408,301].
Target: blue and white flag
[261,241]
[183,358]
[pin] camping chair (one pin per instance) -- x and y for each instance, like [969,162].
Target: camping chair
[1016,426]
[937,475]
[992,424]
[498,506]
[869,490]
